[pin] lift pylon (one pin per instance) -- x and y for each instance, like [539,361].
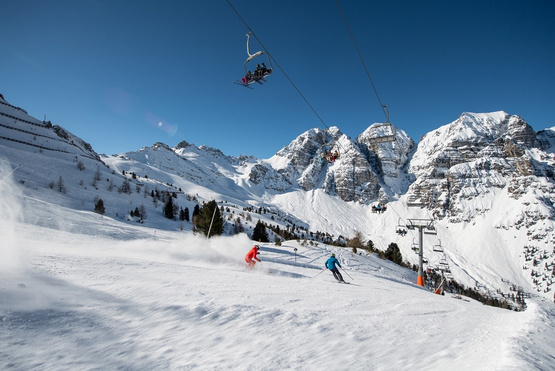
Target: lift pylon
[421,225]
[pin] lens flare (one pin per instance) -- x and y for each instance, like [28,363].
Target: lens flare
[159,123]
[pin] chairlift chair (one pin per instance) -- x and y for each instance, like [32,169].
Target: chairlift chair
[414,247]
[415,201]
[430,230]
[384,138]
[252,78]
[438,247]
[327,155]
[401,229]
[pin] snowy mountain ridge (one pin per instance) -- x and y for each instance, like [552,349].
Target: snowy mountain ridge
[484,174]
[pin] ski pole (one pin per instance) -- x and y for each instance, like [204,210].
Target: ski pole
[347,274]
[319,272]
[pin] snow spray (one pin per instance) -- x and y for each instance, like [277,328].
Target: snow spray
[11,216]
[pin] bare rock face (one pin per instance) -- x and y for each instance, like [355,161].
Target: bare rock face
[358,170]
[474,155]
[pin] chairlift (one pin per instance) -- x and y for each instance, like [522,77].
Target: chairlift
[260,73]
[415,201]
[328,155]
[438,247]
[386,138]
[327,151]
[430,229]
[401,229]
[443,262]
[414,247]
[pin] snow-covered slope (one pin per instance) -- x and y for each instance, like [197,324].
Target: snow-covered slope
[113,295]
[486,181]
[84,290]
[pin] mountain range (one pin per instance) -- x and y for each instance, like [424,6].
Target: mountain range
[485,182]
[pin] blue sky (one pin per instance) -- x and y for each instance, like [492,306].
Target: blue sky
[126,74]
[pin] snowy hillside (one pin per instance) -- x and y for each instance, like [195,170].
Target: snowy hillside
[98,293]
[464,172]
[138,292]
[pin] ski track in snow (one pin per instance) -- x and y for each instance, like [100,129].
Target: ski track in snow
[178,301]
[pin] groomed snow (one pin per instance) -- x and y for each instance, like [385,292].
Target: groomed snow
[91,292]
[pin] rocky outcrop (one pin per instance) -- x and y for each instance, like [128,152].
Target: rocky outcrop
[473,155]
[363,171]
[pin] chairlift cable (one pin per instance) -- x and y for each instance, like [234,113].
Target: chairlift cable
[384,109]
[401,218]
[277,64]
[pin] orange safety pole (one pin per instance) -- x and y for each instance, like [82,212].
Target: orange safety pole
[420,281]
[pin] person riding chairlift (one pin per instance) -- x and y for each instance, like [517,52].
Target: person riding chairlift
[248,77]
[265,70]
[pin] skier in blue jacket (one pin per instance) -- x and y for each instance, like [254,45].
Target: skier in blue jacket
[330,264]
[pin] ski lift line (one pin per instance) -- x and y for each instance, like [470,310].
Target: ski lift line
[390,207]
[384,107]
[277,64]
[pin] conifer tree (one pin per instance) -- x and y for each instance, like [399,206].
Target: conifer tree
[168,209]
[210,216]
[259,233]
[99,207]
[393,253]
[196,212]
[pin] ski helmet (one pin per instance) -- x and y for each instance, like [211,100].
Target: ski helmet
[333,255]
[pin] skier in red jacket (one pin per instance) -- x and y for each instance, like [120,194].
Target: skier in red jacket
[251,256]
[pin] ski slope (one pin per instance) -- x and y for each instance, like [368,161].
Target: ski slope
[109,296]
[82,291]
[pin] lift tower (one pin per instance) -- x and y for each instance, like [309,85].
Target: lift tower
[421,225]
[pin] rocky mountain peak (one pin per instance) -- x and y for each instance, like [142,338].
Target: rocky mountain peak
[469,156]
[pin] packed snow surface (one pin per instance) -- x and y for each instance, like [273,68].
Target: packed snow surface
[95,293]
[82,291]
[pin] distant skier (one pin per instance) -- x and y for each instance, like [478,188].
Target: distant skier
[251,256]
[330,264]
